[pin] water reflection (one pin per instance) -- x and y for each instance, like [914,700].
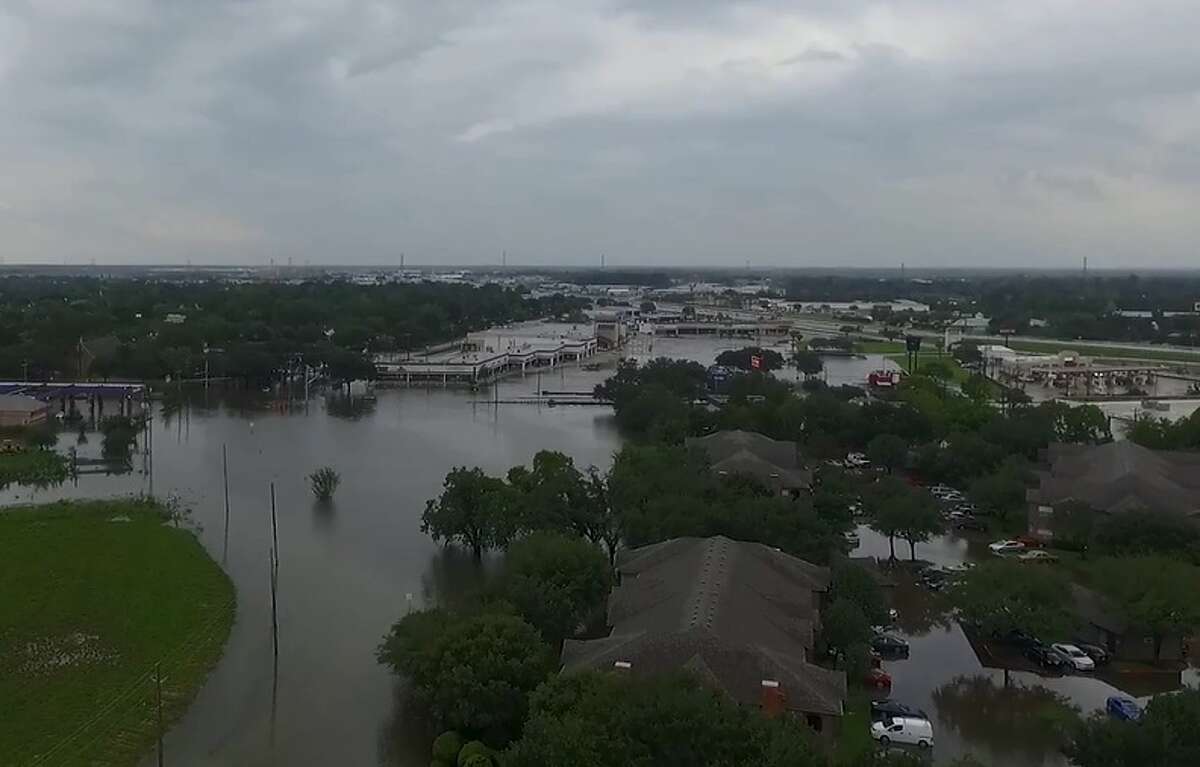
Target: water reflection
[1013,721]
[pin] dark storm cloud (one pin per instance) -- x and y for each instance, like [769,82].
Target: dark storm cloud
[669,132]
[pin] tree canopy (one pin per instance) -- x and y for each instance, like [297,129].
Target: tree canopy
[1153,593]
[555,581]
[606,720]
[742,359]
[474,509]
[1167,735]
[1000,596]
[470,673]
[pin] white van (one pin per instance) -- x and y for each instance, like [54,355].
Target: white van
[903,729]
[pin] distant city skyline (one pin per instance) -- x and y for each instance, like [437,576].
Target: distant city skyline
[658,133]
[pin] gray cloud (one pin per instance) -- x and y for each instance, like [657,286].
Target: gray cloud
[349,131]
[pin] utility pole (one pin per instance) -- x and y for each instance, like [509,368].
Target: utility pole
[225,476]
[158,702]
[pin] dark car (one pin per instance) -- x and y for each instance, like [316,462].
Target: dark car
[888,708]
[1098,655]
[889,644]
[1022,639]
[1047,657]
[969,523]
[1125,709]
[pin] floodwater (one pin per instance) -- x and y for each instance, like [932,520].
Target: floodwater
[973,709]
[348,571]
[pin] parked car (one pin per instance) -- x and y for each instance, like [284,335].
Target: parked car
[1047,657]
[1022,639]
[1029,542]
[1098,654]
[1037,556]
[1125,709]
[852,539]
[1001,548]
[970,523]
[889,645]
[904,729]
[1078,659]
[877,678]
[882,710]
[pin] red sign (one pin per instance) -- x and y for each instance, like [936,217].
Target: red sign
[755,362]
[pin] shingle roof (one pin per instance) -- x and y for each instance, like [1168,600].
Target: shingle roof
[774,462]
[1121,476]
[1094,608]
[742,612]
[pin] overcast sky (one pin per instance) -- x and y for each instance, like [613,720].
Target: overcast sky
[673,132]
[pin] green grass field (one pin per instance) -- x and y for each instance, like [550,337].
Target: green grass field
[92,595]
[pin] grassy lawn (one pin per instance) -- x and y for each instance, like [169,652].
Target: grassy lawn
[879,347]
[92,595]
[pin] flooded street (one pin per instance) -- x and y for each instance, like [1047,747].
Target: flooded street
[348,571]
[972,709]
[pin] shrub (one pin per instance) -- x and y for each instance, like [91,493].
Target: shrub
[324,481]
[475,754]
[446,747]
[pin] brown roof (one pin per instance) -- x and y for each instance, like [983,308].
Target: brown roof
[1095,609]
[1121,476]
[735,612]
[774,462]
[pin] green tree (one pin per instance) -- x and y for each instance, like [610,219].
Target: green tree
[883,502]
[978,388]
[1002,492]
[917,518]
[471,674]
[769,359]
[888,451]
[1000,596]
[608,720]
[1167,735]
[808,362]
[854,583]
[843,625]
[1153,593]
[474,509]
[1143,532]
[555,581]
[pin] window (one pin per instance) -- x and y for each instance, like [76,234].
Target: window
[814,721]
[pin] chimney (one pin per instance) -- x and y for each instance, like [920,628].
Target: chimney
[774,701]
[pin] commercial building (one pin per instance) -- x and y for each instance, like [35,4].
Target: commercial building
[740,616]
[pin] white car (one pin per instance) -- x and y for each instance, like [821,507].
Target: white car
[1079,659]
[1006,547]
[903,729]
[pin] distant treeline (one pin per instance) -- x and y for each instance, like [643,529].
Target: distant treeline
[1063,306]
[60,327]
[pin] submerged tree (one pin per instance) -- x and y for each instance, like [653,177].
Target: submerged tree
[323,482]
